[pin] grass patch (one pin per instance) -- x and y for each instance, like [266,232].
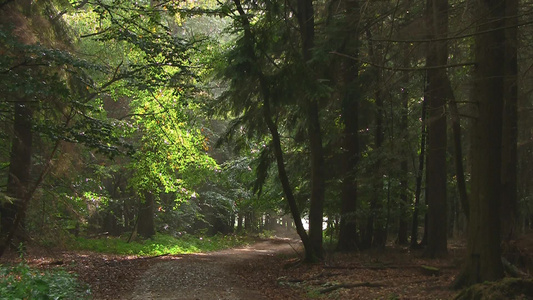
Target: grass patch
[159,245]
[22,282]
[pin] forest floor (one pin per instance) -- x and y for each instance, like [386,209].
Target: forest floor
[266,269]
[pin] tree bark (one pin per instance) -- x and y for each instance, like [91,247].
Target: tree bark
[350,115]
[375,233]
[483,261]
[436,175]
[458,152]
[348,223]
[404,184]
[310,254]
[146,225]
[419,176]
[306,22]
[316,208]
[239,222]
[379,236]
[509,192]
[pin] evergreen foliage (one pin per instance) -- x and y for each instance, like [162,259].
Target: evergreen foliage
[150,117]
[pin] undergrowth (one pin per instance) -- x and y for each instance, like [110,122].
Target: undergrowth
[23,282]
[159,245]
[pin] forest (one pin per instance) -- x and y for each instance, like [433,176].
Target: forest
[368,135]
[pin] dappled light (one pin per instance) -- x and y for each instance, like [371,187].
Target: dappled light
[268,149]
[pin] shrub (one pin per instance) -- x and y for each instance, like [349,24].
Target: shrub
[24,282]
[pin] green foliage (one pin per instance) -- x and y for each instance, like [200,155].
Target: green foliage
[160,244]
[169,145]
[23,282]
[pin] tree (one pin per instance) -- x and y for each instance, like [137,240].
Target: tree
[483,260]
[306,21]
[19,181]
[348,235]
[257,85]
[509,189]
[66,94]
[419,177]
[403,225]
[436,97]
[42,84]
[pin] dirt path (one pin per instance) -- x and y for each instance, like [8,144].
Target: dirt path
[268,269]
[206,276]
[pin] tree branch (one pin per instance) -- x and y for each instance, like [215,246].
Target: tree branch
[456,37]
[404,68]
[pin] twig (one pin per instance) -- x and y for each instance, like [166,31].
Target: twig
[156,256]
[295,251]
[349,286]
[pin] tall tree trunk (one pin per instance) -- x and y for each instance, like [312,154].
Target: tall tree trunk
[284,179]
[146,225]
[306,22]
[374,234]
[316,209]
[509,192]
[419,176]
[239,222]
[18,180]
[458,151]
[350,115]
[436,176]
[404,184]
[348,224]
[483,260]
[379,236]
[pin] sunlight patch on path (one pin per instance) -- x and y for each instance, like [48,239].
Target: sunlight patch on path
[205,276]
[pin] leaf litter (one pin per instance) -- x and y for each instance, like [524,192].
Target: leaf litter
[267,269]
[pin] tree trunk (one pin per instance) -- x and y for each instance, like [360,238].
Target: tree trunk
[436,176]
[376,221]
[146,225]
[306,21]
[239,222]
[276,142]
[458,152]
[350,115]
[404,202]
[375,233]
[316,209]
[18,180]
[483,261]
[509,197]
[419,175]
[287,190]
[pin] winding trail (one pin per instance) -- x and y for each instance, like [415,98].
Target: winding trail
[207,276]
